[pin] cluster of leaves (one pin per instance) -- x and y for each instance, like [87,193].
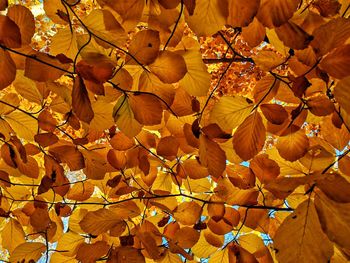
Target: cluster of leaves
[111,122]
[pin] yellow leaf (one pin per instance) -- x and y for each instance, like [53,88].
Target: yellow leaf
[230,112]
[69,243]
[58,257]
[64,42]
[251,242]
[124,118]
[24,125]
[104,25]
[12,235]
[103,116]
[209,17]
[268,60]
[221,256]
[197,79]
[27,88]
[100,221]
[334,218]
[26,252]
[234,195]
[203,249]
[300,237]
[163,182]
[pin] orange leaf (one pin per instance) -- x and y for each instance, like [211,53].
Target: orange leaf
[337,63]
[169,67]
[145,46]
[293,145]
[249,137]
[188,213]
[211,156]
[264,168]
[43,67]
[147,108]
[274,113]
[7,68]
[24,19]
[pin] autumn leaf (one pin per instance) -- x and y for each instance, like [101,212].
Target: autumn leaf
[302,227]
[171,130]
[249,138]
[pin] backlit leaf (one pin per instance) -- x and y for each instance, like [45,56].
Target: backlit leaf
[29,251]
[249,138]
[230,112]
[169,67]
[308,240]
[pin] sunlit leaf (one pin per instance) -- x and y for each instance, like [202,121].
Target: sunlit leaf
[303,228]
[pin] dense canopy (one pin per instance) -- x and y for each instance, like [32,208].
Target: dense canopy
[175,131]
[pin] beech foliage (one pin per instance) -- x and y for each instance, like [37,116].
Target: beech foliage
[175,131]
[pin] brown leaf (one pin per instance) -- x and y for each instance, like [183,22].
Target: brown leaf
[241,13]
[335,186]
[80,101]
[274,113]
[336,226]
[320,105]
[10,34]
[8,69]
[125,255]
[69,154]
[300,237]
[95,69]
[46,139]
[274,13]
[46,121]
[3,4]
[293,36]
